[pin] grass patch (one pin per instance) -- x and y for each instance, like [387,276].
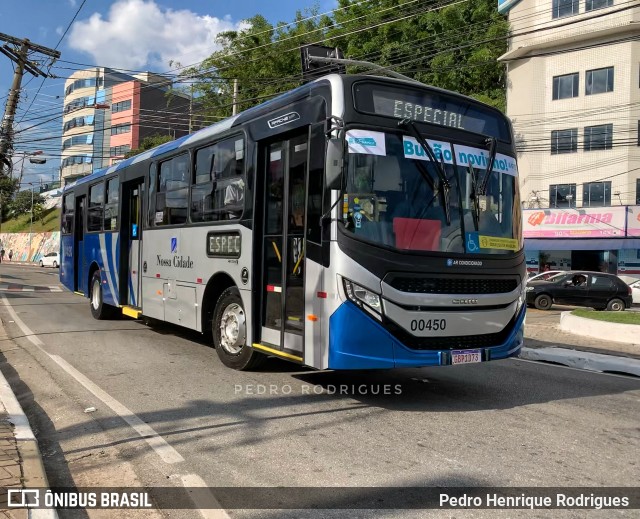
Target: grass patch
[611,317]
[50,222]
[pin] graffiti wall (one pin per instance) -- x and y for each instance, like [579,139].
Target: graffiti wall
[25,249]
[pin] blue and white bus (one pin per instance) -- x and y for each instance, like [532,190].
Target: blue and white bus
[355,222]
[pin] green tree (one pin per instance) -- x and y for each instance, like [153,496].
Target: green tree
[264,59]
[8,188]
[149,143]
[454,47]
[22,202]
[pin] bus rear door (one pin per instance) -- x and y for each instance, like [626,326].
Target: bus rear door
[79,267]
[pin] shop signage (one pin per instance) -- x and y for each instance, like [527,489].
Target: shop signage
[633,220]
[596,222]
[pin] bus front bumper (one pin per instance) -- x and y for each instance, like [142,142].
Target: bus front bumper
[357,341]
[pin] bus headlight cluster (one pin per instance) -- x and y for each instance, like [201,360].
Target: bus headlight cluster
[364,298]
[522,297]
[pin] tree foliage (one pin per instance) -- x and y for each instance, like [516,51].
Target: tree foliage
[22,203]
[454,47]
[149,143]
[8,188]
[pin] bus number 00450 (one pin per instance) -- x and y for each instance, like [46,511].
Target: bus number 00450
[429,324]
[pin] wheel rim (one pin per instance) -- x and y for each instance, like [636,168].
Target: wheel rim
[232,329]
[616,306]
[95,295]
[544,302]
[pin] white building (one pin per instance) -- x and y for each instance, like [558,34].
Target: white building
[573,94]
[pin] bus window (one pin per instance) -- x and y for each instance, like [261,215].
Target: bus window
[96,211]
[173,191]
[111,205]
[152,194]
[68,210]
[218,183]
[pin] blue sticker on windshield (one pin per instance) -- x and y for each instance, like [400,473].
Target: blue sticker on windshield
[472,242]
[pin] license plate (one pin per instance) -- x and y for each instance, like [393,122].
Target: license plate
[466,356]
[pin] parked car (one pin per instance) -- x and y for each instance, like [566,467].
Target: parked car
[635,291]
[544,275]
[580,288]
[50,260]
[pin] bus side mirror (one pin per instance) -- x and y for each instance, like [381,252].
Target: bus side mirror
[334,164]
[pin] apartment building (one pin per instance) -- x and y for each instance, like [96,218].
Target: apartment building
[573,94]
[107,113]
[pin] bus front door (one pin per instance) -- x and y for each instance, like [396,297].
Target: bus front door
[284,246]
[80,282]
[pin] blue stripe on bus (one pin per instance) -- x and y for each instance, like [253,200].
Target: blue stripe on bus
[373,347]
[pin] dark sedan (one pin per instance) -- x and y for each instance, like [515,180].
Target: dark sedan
[579,288]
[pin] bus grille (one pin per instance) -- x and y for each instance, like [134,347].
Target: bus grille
[452,285]
[455,342]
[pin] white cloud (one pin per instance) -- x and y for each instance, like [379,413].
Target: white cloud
[59,30]
[139,34]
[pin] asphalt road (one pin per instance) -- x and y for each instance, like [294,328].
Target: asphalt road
[168,413]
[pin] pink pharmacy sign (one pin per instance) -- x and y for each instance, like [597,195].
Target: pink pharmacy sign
[595,222]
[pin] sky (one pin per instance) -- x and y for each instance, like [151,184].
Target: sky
[130,34]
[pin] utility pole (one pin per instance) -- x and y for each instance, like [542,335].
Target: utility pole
[20,58]
[191,110]
[235,96]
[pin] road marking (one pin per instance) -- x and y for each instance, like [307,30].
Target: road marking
[167,453]
[193,480]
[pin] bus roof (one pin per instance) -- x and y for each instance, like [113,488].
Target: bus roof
[204,134]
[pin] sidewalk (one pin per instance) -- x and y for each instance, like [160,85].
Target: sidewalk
[10,464]
[20,460]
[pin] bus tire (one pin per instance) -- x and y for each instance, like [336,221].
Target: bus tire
[229,330]
[99,309]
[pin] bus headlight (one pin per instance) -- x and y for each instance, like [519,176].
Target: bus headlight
[522,298]
[364,298]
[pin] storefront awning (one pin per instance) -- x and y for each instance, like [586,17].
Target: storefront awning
[575,244]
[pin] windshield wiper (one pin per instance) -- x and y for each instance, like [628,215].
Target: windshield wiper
[491,141]
[443,187]
[475,197]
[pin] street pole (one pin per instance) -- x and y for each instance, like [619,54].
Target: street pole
[235,97]
[31,223]
[12,103]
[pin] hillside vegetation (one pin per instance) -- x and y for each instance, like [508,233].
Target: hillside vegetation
[50,221]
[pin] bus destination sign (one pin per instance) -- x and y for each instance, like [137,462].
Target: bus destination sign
[223,244]
[431,107]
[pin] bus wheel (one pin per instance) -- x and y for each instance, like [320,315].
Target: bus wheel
[99,309]
[229,330]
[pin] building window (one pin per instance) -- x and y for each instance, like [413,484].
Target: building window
[598,137]
[562,195]
[592,5]
[564,141]
[76,159]
[121,106]
[172,198]
[564,8]
[599,81]
[117,151]
[596,194]
[95,211]
[218,182]
[566,86]
[637,191]
[120,128]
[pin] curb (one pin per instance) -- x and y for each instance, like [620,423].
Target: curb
[33,471]
[601,330]
[583,360]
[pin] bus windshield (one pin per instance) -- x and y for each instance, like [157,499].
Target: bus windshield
[390,200]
